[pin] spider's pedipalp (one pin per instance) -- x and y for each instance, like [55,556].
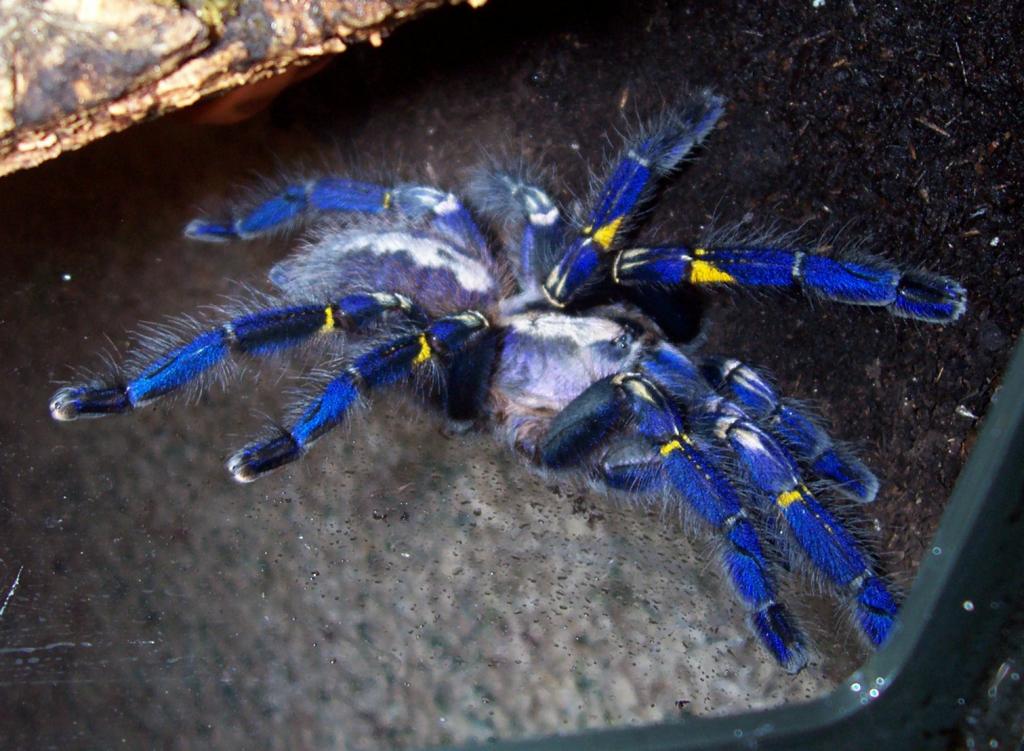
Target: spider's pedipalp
[514,199]
[654,153]
[583,425]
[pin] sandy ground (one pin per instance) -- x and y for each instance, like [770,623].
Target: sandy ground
[404,587]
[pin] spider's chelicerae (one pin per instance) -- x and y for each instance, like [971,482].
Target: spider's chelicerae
[564,345]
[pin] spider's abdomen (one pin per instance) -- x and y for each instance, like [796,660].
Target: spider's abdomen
[423,266]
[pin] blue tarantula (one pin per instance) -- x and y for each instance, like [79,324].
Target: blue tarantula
[563,345]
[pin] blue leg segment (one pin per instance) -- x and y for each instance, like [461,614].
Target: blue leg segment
[652,155]
[773,473]
[799,433]
[692,385]
[384,365]
[908,294]
[330,195]
[257,334]
[707,491]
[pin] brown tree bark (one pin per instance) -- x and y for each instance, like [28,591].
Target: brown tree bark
[72,71]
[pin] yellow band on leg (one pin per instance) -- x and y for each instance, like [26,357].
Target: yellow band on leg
[705,272]
[676,444]
[425,352]
[789,497]
[328,319]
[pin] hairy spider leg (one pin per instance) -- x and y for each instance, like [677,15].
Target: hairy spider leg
[866,281]
[748,389]
[687,467]
[773,474]
[256,334]
[384,365]
[799,433]
[331,194]
[653,154]
[510,197]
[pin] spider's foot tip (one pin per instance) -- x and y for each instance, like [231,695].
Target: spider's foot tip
[869,488]
[211,232]
[877,629]
[929,297]
[876,610]
[795,660]
[703,109]
[74,402]
[847,475]
[959,306]
[776,630]
[242,468]
[63,404]
[714,101]
[253,462]
[240,473]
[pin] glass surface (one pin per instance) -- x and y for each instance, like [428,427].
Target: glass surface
[403,586]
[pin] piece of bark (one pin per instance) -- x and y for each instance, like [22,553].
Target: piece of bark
[72,71]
